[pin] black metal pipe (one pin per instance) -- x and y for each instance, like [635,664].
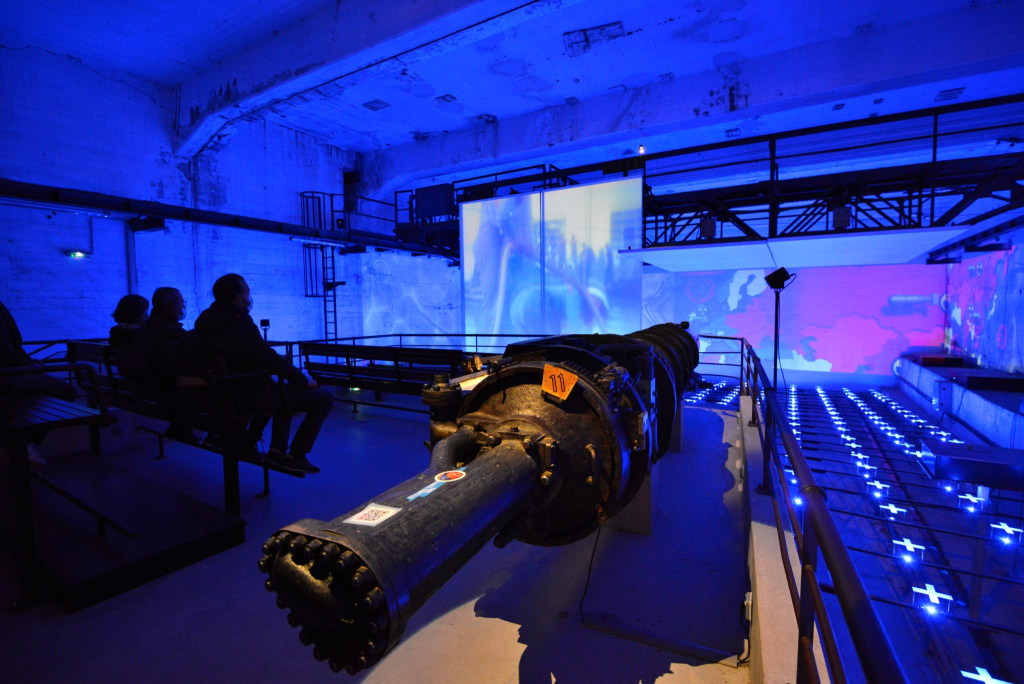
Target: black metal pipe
[357,579]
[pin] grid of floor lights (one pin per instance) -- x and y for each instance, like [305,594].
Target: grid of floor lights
[900,517]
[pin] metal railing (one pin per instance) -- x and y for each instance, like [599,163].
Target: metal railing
[729,354]
[476,343]
[815,533]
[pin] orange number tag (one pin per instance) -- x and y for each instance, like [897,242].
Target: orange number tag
[558,382]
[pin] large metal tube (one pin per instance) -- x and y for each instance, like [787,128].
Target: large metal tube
[554,440]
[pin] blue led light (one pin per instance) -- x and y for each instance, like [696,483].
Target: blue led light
[907,558]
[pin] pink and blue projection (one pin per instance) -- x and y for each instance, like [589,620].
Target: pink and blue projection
[842,320]
[986,311]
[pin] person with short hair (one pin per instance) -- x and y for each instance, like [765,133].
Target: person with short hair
[163,328]
[161,331]
[226,328]
[131,312]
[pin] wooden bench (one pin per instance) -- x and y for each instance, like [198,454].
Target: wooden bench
[160,530]
[184,388]
[403,370]
[28,418]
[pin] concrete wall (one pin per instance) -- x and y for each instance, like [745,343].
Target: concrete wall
[259,171]
[50,295]
[66,125]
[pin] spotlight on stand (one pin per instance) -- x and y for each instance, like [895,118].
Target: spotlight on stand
[777,280]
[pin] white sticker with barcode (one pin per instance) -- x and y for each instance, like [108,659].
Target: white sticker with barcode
[372,515]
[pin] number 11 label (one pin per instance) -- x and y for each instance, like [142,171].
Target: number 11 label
[558,382]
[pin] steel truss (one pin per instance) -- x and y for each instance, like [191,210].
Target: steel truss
[900,197]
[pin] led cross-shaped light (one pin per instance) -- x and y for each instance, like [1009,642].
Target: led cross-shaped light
[981,675]
[970,502]
[892,511]
[911,549]
[879,487]
[1006,533]
[935,598]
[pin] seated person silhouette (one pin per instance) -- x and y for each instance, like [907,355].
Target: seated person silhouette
[130,314]
[13,356]
[163,330]
[226,328]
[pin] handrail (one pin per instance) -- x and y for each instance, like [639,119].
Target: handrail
[818,532]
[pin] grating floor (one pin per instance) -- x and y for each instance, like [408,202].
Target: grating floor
[940,559]
[723,394]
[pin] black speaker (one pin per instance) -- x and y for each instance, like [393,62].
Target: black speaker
[708,227]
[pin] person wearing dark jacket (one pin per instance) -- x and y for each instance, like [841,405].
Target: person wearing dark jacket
[12,355]
[226,328]
[163,328]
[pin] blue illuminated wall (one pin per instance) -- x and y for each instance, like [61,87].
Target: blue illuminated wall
[986,309]
[400,293]
[837,320]
[548,262]
[67,125]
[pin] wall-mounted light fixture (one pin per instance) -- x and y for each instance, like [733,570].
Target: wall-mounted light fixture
[640,150]
[77,254]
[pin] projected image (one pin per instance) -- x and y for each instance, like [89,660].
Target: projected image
[986,317]
[501,267]
[406,294]
[590,287]
[848,320]
[545,263]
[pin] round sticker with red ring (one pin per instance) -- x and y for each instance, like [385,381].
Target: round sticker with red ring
[449,476]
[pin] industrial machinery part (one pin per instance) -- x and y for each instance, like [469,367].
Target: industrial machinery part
[556,438]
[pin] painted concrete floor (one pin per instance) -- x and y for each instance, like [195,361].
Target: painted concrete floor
[509,615]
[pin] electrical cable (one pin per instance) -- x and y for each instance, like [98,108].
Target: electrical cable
[590,567]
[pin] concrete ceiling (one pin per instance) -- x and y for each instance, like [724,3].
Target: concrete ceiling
[454,85]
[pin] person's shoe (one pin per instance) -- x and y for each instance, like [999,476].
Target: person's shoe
[290,463]
[303,462]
